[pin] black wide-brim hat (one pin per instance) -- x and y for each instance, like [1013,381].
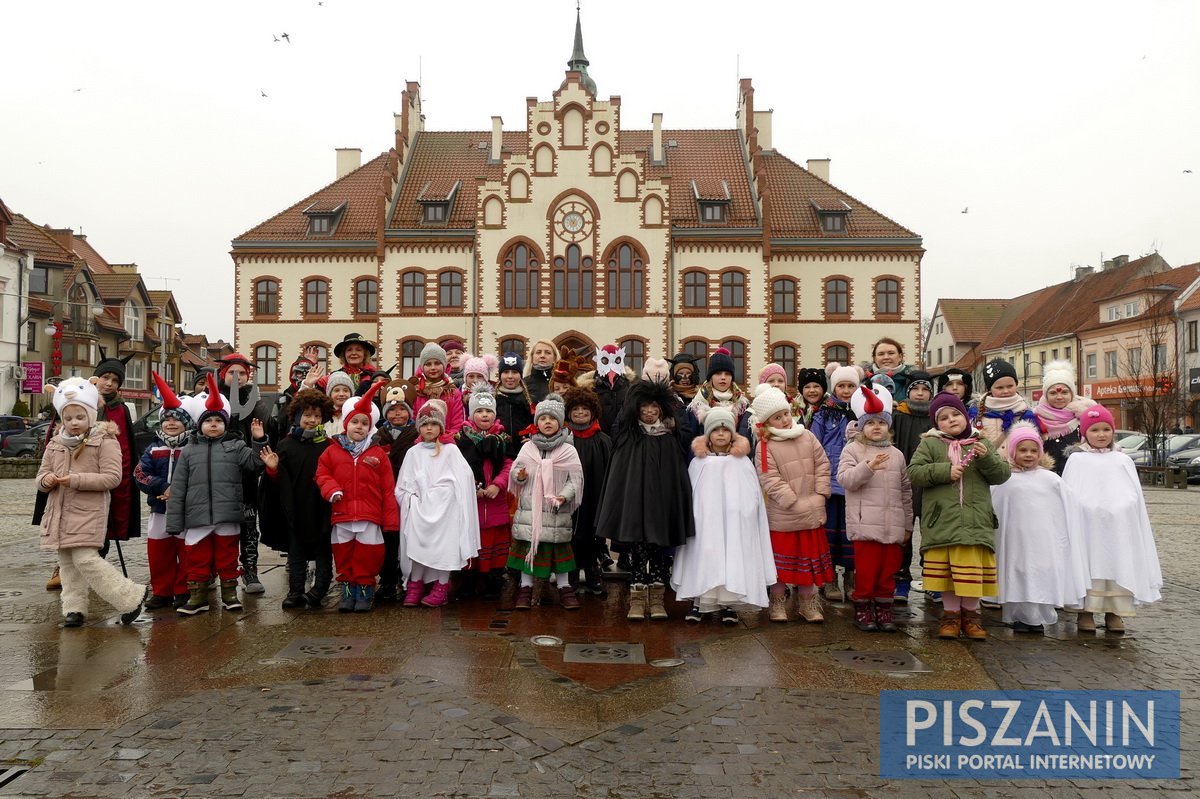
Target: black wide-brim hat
[353,338]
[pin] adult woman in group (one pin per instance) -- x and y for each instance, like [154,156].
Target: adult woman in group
[887,358]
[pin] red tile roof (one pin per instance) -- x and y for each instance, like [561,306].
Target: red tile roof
[710,188]
[1192,303]
[360,189]
[793,190]
[40,307]
[29,236]
[971,320]
[88,253]
[439,159]
[115,287]
[1165,286]
[1064,308]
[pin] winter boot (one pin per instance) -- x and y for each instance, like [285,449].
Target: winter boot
[293,601]
[180,600]
[972,625]
[637,603]
[73,620]
[593,583]
[438,596]
[229,595]
[900,595]
[658,608]
[386,593]
[55,582]
[197,598]
[883,616]
[494,584]
[1086,622]
[777,610]
[412,595]
[1114,623]
[295,594]
[950,625]
[252,583]
[848,584]
[128,617]
[157,602]
[864,616]
[523,599]
[693,616]
[567,598]
[362,603]
[810,609]
[729,616]
[833,591]
[349,597]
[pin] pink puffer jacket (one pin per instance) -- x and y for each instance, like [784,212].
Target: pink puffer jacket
[878,504]
[795,479]
[77,514]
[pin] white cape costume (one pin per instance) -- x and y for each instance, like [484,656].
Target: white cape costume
[729,562]
[1117,535]
[439,518]
[1040,549]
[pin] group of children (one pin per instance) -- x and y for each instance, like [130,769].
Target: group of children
[737,500]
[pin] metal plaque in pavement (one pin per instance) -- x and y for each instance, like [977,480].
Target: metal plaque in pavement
[604,653]
[326,648]
[898,660]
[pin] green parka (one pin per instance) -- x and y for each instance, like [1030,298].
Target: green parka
[944,521]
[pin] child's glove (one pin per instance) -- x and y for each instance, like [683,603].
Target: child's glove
[337,497]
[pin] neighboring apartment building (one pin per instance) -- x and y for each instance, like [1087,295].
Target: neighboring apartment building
[1129,349]
[957,327]
[14,263]
[1187,343]
[571,226]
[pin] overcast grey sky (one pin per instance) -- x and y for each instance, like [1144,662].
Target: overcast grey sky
[1064,127]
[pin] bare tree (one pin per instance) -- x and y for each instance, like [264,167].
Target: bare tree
[1149,367]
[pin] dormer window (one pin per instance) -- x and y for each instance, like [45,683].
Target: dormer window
[712,199]
[832,216]
[436,197]
[323,217]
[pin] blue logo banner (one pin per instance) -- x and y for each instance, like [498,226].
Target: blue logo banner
[1104,735]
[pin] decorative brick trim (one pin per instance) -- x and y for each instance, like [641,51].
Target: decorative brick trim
[612,159]
[354,312]
[411,310]
[483,213]
[543,267]
[561,115]
[462,273]
[637,185]
[662,213]
[528,186]
[553,160]
[264,317]
[888,317]
[304,313]
[278,369]
[734,310]
[686,309]
[604,296]
[825,353]
[837,317]
[783,317]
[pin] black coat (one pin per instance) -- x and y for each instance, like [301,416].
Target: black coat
[516,414]
[647,496]
[1057,448]
[906,435]
[595,452]
[537,383]
[396,445]
[295,501]
[612,401]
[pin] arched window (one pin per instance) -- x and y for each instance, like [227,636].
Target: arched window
[266,298]
[737,351]
[652,211]
[695,289]
[783,297]
[626,279]
[412,289]
[520,269]
[733,289]
[635,354]
[837,296]
[316,297]
[887,296]
[837,352]
[410,357]
[543,160]
[785,356]
[602,160]
[516,345]
[493,212]
[572,128]
[266,368]
[627,183]
[574,280]
[698,350]
[450,289]
[366,296]
[518,186]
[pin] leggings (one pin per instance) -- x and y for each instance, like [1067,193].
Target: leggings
[649,564]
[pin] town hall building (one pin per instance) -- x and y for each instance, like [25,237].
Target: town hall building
[571,226]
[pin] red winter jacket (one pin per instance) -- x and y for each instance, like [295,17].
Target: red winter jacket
[368,487]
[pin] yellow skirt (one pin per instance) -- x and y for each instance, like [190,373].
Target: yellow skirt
[965,570]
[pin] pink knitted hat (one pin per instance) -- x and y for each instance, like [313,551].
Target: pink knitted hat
[771,369]
[1094,415]
[1022,431]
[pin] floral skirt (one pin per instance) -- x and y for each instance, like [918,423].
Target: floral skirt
[802,556]
[966,570]
[549,558]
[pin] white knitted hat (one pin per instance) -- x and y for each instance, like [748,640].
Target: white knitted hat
[1059,373]
[768,401]
[719,417]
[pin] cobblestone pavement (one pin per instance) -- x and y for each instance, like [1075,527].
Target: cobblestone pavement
[460,703]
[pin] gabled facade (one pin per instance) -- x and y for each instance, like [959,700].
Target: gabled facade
[956,328]
[575,228]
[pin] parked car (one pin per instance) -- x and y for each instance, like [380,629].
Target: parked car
[26,444]
[11,425]
[1189,461]
[1172,445]
[1134,443]
[1120,435]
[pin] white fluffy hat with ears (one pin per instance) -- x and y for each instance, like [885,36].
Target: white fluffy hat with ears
[843,374]
[1058,373]
[76,391]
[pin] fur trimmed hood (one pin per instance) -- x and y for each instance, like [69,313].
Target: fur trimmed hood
[740,448]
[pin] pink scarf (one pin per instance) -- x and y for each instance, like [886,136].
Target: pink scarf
[548,478]
[961,455]
[1057,422]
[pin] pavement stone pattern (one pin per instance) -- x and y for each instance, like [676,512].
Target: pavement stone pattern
[447,705]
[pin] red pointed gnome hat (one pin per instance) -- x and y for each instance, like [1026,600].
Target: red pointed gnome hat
[365,405]
[211,402]
[172,407]
[872,400]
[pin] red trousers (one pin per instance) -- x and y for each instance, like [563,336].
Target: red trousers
[357,557]
[875,567]
[168,571]
[213,553]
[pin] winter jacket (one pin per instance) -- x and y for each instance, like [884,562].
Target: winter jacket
[368,486]
[396,443]
[907,428]
[796,481]
[125,510]
[537,383]
[206,485]
[878,504]
[515,412]
[829,426]
[900,376]
[612,400]
[490,462]
[557,525]
[699,406]
[76,515]
[945,520]
[153,473]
